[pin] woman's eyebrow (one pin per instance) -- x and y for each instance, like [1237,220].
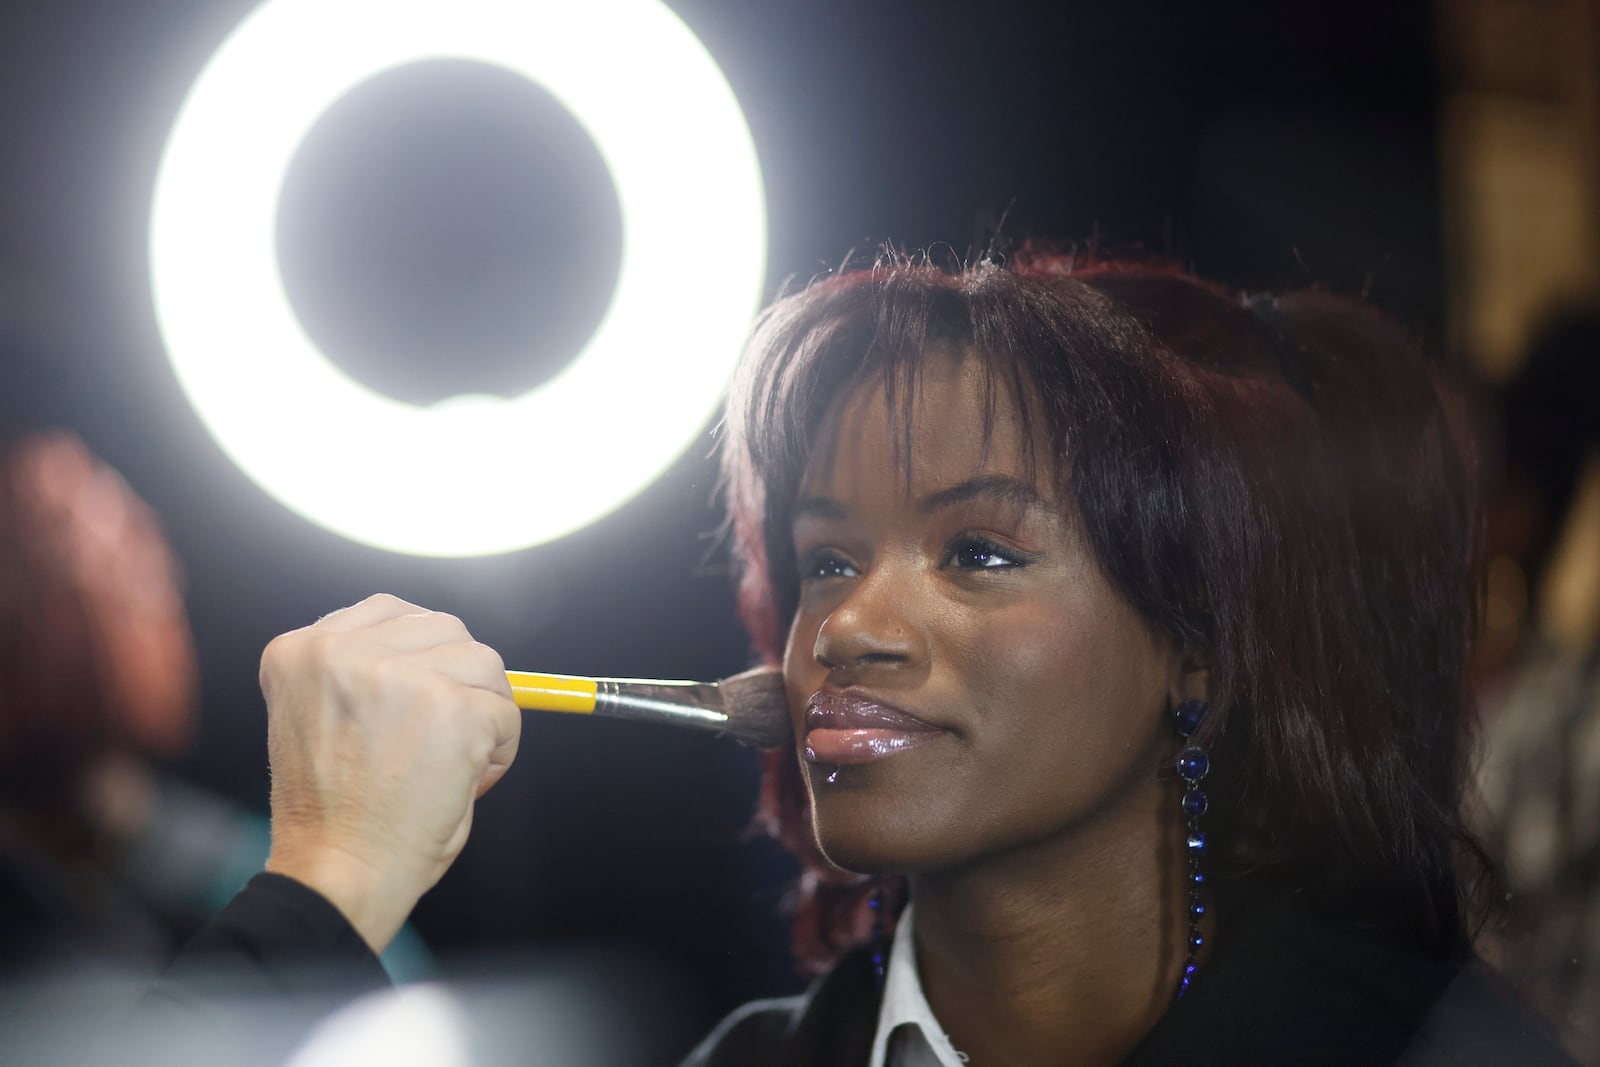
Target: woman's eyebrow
[998,487]
[820,507]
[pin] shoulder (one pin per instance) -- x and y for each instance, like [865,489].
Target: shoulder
[830,1025]
[1292,985]
[1479,1019]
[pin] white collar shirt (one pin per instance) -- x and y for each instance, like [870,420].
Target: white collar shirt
[908,1035]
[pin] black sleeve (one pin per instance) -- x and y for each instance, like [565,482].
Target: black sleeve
[275,935]
[277,959]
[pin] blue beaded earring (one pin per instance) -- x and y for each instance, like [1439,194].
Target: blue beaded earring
[1192,766]
[880,939]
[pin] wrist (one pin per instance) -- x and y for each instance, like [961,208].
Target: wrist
[373,901]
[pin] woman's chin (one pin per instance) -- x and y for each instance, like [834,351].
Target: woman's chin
[888,819]
[873,851]
[856,859]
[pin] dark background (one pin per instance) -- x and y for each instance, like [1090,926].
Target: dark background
[1266,144]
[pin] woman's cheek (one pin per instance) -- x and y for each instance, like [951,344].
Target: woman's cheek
[1016,648]
[802,675]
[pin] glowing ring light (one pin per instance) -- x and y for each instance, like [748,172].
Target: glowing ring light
[471,475]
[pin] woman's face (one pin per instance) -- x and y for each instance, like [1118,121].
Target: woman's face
[962,679]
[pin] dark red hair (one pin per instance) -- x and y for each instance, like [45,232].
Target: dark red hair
[1278,485]
[95,649]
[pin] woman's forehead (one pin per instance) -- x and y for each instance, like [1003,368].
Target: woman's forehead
[955,416]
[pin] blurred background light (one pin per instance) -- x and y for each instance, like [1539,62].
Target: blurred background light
[412,1027]
[470,473]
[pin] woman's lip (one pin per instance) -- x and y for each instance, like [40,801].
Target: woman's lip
[845,729]
[840,747]
[833,710]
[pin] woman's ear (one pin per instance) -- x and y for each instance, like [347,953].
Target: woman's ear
[1190,678]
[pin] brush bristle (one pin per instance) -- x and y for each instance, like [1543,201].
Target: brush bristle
[758,711]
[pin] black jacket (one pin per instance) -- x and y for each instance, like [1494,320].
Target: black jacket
[1287,986]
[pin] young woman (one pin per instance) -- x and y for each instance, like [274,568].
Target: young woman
[1123,624]
[1041,530]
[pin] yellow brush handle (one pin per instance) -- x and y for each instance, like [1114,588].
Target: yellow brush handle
[552,692]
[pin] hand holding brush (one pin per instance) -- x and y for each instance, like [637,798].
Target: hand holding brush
[386,722]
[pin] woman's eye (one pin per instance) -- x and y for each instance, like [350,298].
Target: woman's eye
[825,564]
[971,553]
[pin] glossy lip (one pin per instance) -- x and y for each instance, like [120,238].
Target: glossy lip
[846,729]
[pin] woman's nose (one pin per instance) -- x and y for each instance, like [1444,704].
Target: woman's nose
[875,624]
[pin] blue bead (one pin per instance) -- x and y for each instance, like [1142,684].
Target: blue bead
[1192,764]
[1190,968]
[1197,910]
[873,903]
[1196,842]
[1195,803]
[1196,941]
[1197,878]
[1188,716]
[1183,985]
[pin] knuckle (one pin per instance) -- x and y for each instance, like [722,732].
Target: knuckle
[278,659]
[477,746]
[318,652]
[450,624]
[488,658]
[273,655]
[267,672]
[481,742]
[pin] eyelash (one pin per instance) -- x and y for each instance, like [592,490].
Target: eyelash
[968,543]
[813,563]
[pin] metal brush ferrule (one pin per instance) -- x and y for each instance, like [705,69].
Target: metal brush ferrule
[694,704]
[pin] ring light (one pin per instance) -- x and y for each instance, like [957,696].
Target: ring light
[471,475]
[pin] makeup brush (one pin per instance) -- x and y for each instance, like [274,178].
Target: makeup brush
[749,706]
